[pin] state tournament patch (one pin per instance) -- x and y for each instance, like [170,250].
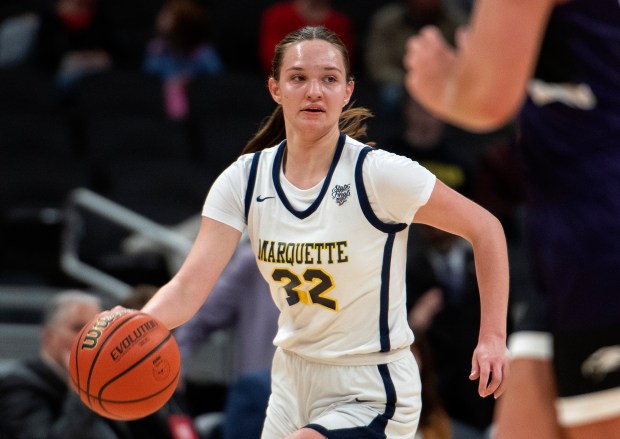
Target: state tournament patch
[340,193]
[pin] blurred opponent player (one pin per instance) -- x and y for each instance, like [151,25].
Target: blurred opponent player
[565,56]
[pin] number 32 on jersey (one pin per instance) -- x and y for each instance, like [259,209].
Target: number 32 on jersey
[295,285]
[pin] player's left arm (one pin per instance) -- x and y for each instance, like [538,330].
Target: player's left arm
[450,211]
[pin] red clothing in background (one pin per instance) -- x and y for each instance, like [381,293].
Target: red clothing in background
[282,18]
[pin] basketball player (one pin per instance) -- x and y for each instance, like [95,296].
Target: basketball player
[565,55]
[327,218]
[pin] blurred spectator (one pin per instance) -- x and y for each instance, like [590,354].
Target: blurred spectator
[72,41]
[422,139]
[284,17]
[181,51]
[390,27]
[19,25]
[246,406]
[35,399]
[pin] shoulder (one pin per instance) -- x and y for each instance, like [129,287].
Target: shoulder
[28,373]
[239,170]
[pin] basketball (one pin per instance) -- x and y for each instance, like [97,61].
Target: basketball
[125,364]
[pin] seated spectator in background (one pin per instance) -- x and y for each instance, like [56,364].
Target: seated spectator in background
[280,19]
[72,42]
[390,27]
[35,398]
[181,51]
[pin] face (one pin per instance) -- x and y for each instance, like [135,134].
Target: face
[312,87]
[59,336]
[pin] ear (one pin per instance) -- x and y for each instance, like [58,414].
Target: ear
[349,92]
[274,89]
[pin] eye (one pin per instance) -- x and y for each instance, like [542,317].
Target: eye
[330,79]
[298,78]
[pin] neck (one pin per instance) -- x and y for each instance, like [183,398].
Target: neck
[306,163]
[53,364]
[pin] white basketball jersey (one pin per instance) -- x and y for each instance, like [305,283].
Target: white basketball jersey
[336,272]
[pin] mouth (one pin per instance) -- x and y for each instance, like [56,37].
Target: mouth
[313,110]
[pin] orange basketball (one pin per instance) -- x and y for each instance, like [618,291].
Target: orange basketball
[125,364]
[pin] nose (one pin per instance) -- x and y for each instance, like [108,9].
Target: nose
[315,90]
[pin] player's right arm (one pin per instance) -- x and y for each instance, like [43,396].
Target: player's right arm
[179,299]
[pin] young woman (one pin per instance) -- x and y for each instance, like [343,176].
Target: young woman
[327,218]
[555,62]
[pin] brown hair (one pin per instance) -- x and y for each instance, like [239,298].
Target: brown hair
[272,129]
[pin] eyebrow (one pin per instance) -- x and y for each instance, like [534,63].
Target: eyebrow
[298,69]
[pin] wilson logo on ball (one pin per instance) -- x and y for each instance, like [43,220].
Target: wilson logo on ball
[92,336]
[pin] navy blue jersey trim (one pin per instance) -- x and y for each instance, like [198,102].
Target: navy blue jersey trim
[384,296]
[277,163]
[390,391]
[251,183]
[362,195]
[376,429]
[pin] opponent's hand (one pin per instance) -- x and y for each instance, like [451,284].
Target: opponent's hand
[429,61]
[491,366]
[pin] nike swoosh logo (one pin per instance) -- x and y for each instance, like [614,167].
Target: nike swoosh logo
[363,400]
[261,199]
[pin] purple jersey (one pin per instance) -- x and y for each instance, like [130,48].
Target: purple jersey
[571,150]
